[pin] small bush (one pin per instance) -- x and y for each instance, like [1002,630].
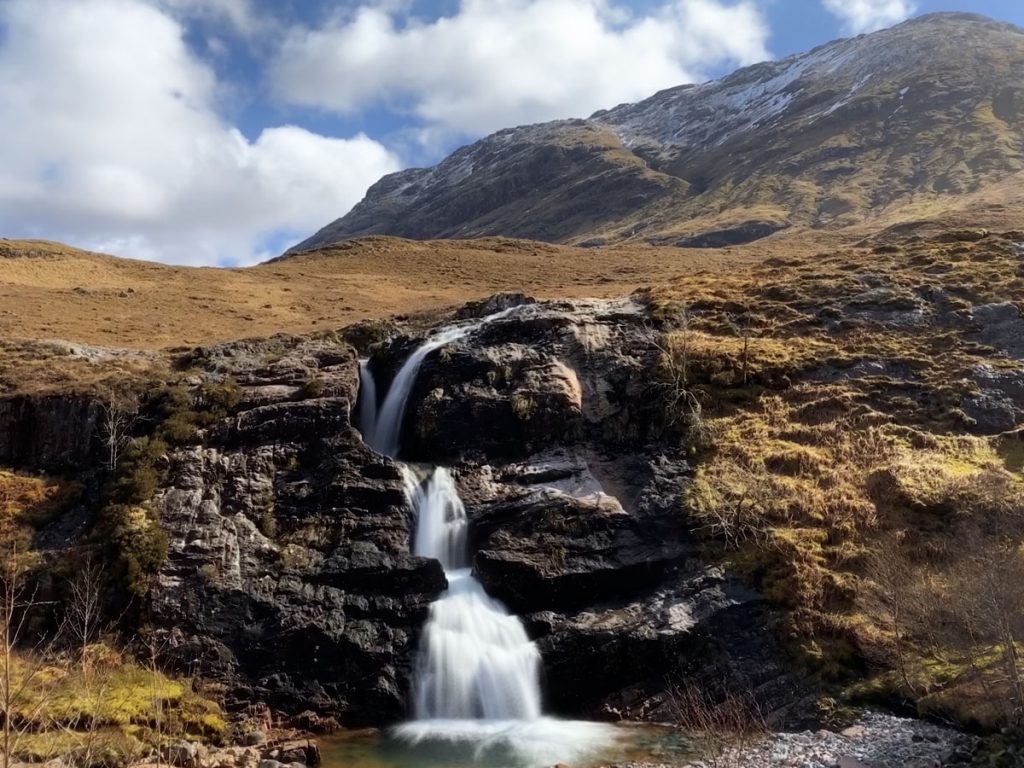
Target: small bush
[209,573]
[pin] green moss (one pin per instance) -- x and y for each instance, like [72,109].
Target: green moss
[111,709]
[311,388]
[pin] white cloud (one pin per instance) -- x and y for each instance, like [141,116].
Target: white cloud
[112,138]
[868,15]
[498,63]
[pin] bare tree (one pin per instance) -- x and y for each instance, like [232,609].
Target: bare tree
[894,580]
[84,609]
[118,417]
[986,590]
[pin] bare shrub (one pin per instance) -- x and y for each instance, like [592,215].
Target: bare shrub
[721,726]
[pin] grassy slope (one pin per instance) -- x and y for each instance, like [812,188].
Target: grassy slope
[815,476]
[56,301]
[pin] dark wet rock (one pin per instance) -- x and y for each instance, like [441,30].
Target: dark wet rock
[1000,326]
[57,432]
[499,302]
[554,551]
[551,537]
[289,574]
[547,375]
[596,551]
[698,628]
[747,232]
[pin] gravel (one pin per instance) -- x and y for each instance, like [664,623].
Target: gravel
[875,741]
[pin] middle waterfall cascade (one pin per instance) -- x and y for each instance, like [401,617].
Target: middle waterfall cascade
[478,673]
[476,661]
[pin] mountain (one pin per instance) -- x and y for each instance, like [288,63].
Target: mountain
[905,121]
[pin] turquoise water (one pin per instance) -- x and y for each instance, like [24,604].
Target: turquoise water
[544,743]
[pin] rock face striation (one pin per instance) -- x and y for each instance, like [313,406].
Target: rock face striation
[289,574]
[930,109]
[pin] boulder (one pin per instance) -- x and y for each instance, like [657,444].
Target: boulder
[183,754]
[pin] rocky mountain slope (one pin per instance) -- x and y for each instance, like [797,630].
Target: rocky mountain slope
[902,122]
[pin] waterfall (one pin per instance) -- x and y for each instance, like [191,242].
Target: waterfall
[477,675]
[475,661]
[387,430]
[441,522]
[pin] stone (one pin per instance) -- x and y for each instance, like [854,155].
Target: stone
[183,754]
[254,739]
[312,722]
[289,575]
[327,620]
[298,751]
[51,432]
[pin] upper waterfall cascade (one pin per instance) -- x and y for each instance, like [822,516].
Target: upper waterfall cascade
[384,432]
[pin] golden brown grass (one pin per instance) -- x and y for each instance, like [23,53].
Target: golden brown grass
[106,708]
[805,472]
[26,502]
[66,294]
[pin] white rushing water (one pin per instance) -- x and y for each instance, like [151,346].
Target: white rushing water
[386,434]
[476,661]
[478,673]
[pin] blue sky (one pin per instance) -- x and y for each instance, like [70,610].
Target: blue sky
[221,131]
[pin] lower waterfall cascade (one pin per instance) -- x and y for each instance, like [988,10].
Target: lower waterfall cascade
[477,676]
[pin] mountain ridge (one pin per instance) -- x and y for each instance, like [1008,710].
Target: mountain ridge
[926,111]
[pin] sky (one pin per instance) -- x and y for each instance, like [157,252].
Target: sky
[220,132]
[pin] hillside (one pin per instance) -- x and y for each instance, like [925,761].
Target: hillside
[57,301]
[811,433]
[901,123]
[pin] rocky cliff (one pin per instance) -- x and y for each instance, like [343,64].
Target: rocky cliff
[289,574]
[910,118]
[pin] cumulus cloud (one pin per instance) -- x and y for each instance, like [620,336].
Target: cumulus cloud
[112,138]
[868,15]
[497,63]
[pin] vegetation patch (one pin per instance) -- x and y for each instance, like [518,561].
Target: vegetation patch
[838,471]
[28,502]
